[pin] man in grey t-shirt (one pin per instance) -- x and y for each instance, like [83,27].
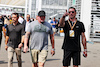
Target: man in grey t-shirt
[39,31]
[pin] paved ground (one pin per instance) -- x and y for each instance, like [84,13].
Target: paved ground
[93,59]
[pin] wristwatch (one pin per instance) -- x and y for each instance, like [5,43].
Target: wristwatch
[53,49]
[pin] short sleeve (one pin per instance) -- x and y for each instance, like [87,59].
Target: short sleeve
[82,27]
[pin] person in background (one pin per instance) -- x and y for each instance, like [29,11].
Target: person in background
[32,19]
[71,45]
[57,26]
[54,23]
[49,21]
[10,19]
[6,23]
[20,20]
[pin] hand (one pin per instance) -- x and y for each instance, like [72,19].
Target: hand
[6,47]
[20,45]
[85,54]
[25,49]
[52,52]
[66,13]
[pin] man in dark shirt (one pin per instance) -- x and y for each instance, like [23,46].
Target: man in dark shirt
[71,45]
[14,40]
[1,27]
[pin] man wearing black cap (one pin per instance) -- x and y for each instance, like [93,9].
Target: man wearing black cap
[39,31]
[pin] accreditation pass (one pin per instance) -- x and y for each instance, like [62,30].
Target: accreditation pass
[71,33]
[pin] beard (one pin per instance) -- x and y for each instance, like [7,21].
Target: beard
[42,22]
[71,17]
[14,21]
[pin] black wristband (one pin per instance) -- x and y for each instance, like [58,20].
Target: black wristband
[22,43]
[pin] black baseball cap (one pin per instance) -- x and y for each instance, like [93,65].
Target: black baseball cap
[41,13]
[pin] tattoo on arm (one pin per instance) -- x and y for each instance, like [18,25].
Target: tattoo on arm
[27,35]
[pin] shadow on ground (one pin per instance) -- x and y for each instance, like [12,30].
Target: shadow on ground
[52,59]
[3,62]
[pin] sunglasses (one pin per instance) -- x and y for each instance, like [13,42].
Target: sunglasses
[71,11]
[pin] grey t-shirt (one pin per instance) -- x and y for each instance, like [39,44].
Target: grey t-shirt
[39,35]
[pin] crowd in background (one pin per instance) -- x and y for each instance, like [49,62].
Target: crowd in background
[8,20]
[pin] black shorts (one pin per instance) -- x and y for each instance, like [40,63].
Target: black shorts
[71,54]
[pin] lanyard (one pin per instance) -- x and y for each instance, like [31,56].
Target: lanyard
[71,25]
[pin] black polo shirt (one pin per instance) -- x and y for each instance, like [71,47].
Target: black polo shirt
[73,43]
[15,33]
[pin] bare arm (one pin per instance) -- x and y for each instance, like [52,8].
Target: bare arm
[6,41]
[84,45]
[62,20]
[26,38]
[84,40]
[22,40]
[52,42]
[26,41]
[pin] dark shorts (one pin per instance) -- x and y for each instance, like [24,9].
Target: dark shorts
[75,55]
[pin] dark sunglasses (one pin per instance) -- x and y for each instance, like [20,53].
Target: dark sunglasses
[71,11]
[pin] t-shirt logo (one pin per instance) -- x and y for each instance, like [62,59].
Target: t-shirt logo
[40,28]
[77,26]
